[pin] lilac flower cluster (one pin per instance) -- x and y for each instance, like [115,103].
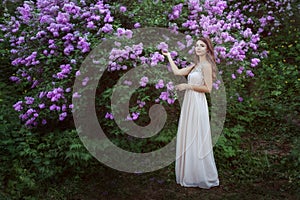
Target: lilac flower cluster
[109,116]
[156,58]
[228,25]
[140,103]
[133,116]
[143,82]
[118,55]
[65,71]
[33,108]
[59,30]
[176,11]
[169,96]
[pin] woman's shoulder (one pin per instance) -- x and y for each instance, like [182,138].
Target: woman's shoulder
[206,65]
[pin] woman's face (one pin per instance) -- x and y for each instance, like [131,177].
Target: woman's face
[200,48]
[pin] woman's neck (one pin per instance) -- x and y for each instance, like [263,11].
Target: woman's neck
[202,59]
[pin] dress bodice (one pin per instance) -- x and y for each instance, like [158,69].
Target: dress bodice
[196,76]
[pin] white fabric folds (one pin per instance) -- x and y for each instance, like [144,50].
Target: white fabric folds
[195,165]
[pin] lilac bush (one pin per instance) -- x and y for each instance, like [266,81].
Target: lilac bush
[235,34]
[235,28]
[49,39]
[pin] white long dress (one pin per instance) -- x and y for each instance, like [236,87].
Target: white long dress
[195,165]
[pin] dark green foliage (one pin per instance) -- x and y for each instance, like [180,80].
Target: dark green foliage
[260,139]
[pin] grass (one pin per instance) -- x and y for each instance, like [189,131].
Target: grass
[110,184]
[257,173]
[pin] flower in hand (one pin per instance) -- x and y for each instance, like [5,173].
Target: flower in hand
[165,52]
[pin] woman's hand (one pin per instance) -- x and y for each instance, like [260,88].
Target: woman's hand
[165,52]
[182,86]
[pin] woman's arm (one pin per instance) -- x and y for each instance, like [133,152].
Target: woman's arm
[207,73]
[176,71]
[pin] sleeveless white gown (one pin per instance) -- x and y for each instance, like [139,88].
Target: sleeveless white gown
[195,165]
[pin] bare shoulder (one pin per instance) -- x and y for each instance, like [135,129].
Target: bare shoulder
[207,67]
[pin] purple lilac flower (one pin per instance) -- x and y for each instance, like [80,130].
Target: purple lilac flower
[126,82]
[109,116]
[240,99]
[170,100]
[155,58]
[141,103]
[14,78]
[23,116]
[18,106]
[77,73]
[250,73]
[65,70]
[107,28]
[42,105]
[62,116]
[170,86]
[160,84]
[247,33]
[137,49]
[56,94]
[164,96]
[240,70]
[263,21]
[25,12]
[68,49]
[30,121]
[143,82]
[143,60]
[254,62]
[58,108]
[189,40]
[63,107]
[91,25]
[122,31]
[30,111]
[176,11]
[108,18]
[216,86]
[62,18]
[85,81]
[162,46]
[83,45]
[42,94]
[181,46]
[128,34]
[29,100]
[20,40]
[76,95]
[133,116]
[52,107]
[14,51]
[123,9]
[137,25]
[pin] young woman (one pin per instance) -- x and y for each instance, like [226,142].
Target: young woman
[195,165]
